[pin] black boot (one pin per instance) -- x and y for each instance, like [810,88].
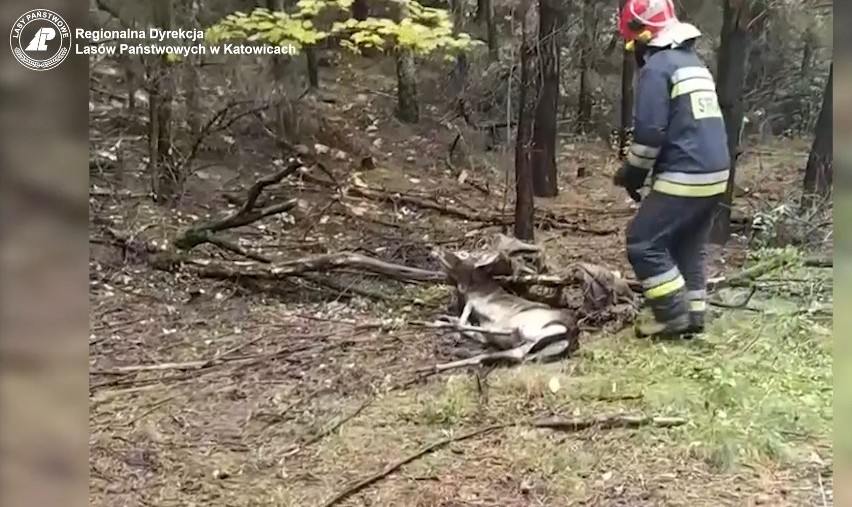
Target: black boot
[696,325]
[670,316]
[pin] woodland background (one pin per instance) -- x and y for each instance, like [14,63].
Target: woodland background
[251,345]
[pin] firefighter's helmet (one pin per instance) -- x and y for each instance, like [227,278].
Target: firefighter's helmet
[653,23]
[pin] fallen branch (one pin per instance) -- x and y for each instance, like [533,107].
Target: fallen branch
[324,262]
[184,366]
[225,244]
[246,214]
[618,421]
[343,260]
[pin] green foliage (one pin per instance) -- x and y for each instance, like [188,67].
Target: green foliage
[262,25]
[757,389]
[424,30]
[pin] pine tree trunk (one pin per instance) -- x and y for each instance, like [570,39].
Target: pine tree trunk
[524,200]
[313,67]
[490,29]
[627,65]
[165,180]
[547,83]
[819,174]
[584,98]
[408,108]
[731,77]
[360,10]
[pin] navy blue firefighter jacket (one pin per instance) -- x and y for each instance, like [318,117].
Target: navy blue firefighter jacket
[678,130]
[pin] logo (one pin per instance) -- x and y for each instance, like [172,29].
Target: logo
[40,39]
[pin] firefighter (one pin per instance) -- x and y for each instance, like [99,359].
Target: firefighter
[679,138]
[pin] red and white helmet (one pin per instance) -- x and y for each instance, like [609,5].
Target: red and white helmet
[654,23]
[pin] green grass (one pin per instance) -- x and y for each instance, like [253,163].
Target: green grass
[755,389]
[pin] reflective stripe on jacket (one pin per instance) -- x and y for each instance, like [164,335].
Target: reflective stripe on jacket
[678,129]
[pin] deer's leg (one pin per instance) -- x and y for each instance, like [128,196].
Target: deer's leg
[515,355]
[466,312]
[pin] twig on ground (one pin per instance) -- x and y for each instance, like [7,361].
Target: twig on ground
[358,486]
[618,421]
[331,429]
[188,365]
[150,410]
[343,289]
[299,401]
[225,244]
[736,306]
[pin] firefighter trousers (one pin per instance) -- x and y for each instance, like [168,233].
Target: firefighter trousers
[666,243]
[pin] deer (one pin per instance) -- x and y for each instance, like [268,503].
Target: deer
[522,330]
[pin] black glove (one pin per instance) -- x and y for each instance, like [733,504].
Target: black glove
[630,177]
[635,195]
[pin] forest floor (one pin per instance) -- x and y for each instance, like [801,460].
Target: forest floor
[207,392]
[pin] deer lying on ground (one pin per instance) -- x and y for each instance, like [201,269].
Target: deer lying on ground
[521,329]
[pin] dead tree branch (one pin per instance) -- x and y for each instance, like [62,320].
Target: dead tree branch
[323,262]
[216,123]
[246,214]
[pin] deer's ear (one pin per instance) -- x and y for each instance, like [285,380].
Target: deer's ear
[447,259]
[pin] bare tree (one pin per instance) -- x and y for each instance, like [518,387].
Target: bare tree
[485,13]
[524,200]
[407,105]
[191,65]
[587,48]
[313,67]
[165,181]
[626,123]
[731,72]
[462,65]
[360,10]
[819,174]
[547,83]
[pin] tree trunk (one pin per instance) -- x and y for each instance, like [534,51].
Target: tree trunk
[809,43]
[165,181]
[524,203]
[731,76]
[460,71]
[360,10]
[819,173]
[408,109]
[584,99]
[490,29]
[193,108]
[313,67]
[407,106]
[547,83]
[627,64]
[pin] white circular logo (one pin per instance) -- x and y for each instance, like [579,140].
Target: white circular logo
[40,39]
